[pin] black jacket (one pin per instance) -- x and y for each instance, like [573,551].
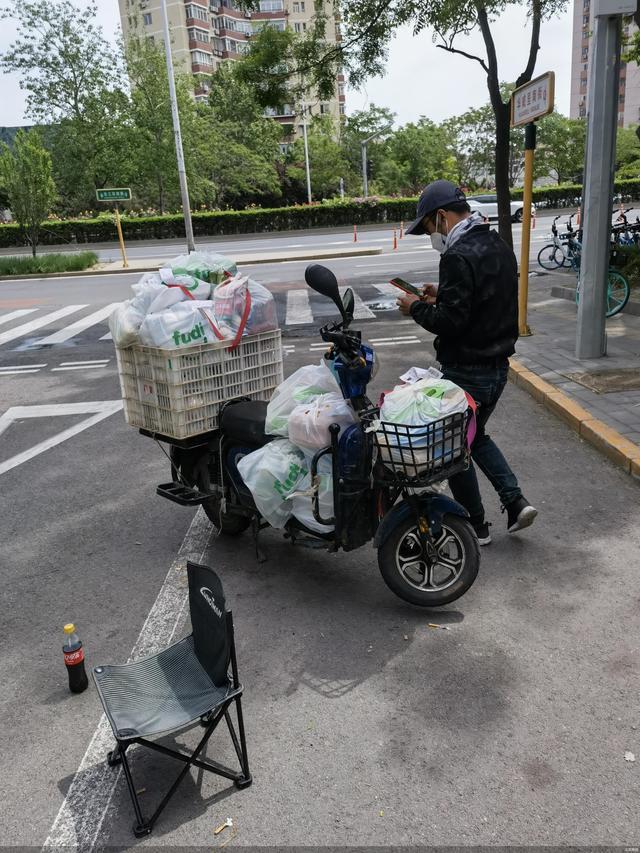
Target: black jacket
[475,316]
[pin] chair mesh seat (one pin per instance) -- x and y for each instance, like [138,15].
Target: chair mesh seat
[158,694]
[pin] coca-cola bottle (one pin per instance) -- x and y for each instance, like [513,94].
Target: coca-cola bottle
[74,660]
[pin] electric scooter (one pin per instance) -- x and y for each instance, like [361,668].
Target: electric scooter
[384,476]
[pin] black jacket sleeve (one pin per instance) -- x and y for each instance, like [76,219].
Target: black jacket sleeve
[451,313]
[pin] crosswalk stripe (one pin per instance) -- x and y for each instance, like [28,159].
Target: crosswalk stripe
[360,310]
[107,337]
[298,308]
[14,315]
[79,326]
[25,328]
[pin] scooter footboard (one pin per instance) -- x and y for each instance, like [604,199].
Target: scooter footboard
[433,507]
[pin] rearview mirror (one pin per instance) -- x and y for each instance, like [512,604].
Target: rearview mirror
[348,302]
[323,281]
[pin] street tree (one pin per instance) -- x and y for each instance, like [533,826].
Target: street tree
[72,77]
[421,153]
[26,174]
[327,161]
[376,122]
[561,142]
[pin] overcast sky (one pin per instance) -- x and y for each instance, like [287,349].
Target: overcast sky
[420,79]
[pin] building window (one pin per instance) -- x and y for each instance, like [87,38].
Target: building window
[199,13]
[585,20]
[342,109]
[146,19]
[271,5]
[300,28]
[196,34]
[585,53]
[199,57]
[621,98]
[324,109]
[340,89]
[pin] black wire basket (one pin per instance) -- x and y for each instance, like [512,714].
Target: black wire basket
[419,455]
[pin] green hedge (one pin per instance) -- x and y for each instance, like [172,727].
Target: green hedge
[258,221]
[568,195]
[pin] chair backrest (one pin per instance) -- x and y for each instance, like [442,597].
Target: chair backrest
[209,621]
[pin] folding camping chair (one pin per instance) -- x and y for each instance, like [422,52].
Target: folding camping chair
[187,683]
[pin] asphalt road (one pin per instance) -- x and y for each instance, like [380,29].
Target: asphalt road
[365,726]
[369,235]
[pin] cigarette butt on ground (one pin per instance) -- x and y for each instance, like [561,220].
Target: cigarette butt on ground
[442,627]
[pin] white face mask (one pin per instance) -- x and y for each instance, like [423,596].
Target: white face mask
[438,240]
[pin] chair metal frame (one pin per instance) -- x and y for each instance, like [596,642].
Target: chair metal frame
[241,779]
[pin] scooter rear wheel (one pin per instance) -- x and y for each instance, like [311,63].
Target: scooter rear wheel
[227,523]
[442,577]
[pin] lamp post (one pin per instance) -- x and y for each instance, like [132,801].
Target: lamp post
[306,151]
[182,172]
[363,149]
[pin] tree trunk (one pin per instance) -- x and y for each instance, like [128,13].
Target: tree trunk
[502,172]
[160,195]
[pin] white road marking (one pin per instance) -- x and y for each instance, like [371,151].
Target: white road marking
[79,326]
[298,308]
[553,301]
[14,315]
[387,289]
[88,799]
[21,366]
[360,310]
[78,367]
[107,337]
[32,325]
[397,343]
[91,361]
[98,411]
[17,372]
[396,338]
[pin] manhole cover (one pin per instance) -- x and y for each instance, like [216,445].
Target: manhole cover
[607,381]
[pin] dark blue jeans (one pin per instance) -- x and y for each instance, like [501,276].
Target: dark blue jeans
[485,384]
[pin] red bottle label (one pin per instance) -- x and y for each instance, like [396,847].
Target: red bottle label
[73,658]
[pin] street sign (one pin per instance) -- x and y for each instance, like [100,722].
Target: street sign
[117,194]
[533,100]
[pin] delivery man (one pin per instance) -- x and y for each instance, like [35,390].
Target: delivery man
[474,313]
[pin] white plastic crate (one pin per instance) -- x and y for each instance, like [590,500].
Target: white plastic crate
[179,393]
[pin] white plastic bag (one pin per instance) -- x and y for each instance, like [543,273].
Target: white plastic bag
[126,318]
[302,498]
[196,287]
[417,405]
[230,305]
[181,325]
[272,473]
[303,386]
[309,422]
[207,266]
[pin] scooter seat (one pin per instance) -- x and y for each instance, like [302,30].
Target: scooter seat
[244,422]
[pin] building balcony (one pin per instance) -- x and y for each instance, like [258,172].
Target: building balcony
[196,44]
[194,22]
[223,32]
[230,13]
[197,68]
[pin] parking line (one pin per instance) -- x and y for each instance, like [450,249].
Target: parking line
[80,817]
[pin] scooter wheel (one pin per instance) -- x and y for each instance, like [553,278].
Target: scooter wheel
[439,578]
[227,523]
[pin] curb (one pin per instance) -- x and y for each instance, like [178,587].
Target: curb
[242,260]
[618,449]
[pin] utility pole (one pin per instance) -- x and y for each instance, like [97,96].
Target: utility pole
[602,121]
[182,172]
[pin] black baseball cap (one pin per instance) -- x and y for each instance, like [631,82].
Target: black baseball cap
[434,196]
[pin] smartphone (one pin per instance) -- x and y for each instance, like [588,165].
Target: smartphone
[404,285]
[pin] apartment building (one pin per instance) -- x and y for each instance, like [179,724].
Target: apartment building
[204,34]
[629,89]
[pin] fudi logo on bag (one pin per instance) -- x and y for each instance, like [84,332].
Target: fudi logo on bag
[208,596]
[283,489]
[196,334]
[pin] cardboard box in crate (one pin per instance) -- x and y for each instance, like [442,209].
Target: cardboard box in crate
[179,393]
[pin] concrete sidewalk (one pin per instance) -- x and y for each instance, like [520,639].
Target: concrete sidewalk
[598,398]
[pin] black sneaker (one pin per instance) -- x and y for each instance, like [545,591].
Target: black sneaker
[520,514]
[482,532]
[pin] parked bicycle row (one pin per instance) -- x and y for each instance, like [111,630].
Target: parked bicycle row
[565,250]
